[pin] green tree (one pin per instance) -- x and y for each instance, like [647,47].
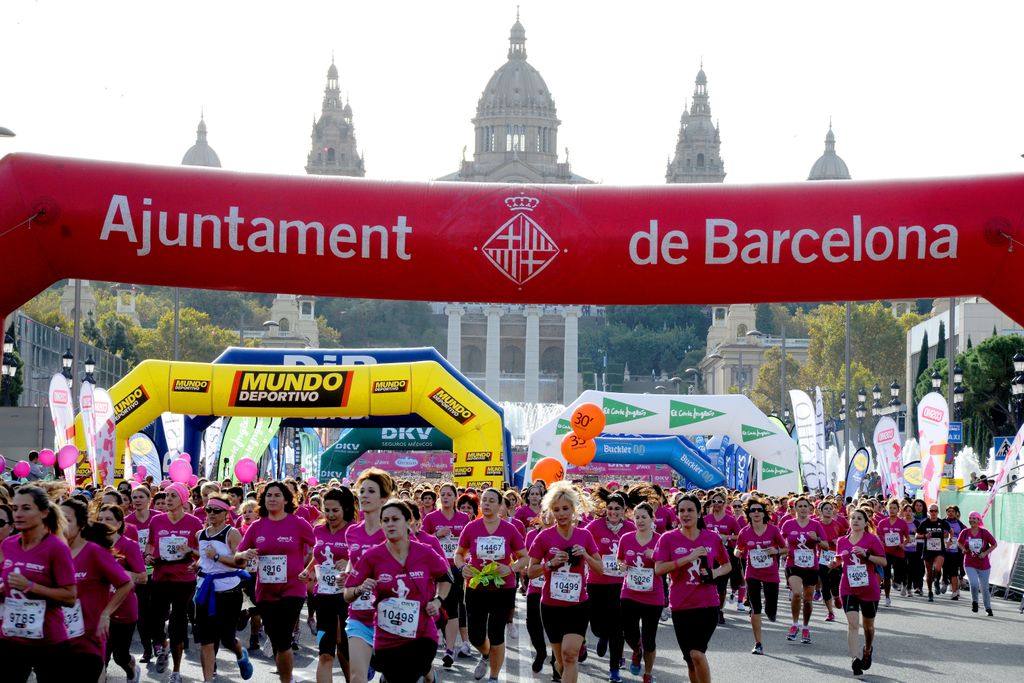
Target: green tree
[45,309]
[765,394]
[922,361]
[199,341]
[940,345]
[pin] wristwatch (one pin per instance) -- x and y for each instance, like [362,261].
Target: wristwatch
[216,557]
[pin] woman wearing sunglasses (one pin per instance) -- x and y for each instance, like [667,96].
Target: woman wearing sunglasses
[761,545]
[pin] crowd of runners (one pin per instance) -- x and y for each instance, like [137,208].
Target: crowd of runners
[400,580]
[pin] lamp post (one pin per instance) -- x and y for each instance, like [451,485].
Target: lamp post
[862,411]
[676,381]
[696,385]
[10,368]
[66,361]
[1017,390]
[90,368]
[896,407]
[936,380]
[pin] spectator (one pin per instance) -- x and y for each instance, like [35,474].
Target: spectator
[37,470]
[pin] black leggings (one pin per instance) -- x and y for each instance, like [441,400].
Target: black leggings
[605,618]
[640,624]
[535,624]
[771,596]
[455,603]
[895,568]
[487,612]
[51,663]
[169,606]
[829,581]
[332,613]
[915,569]
[407,662]
[119,644]
[86,666]
[143,592]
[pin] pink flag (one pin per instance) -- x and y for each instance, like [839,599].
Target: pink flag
[890,461]
[1008,464]
[932,434]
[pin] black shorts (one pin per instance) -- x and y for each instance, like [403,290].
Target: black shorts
[562,621]
[694,628]
[331,615]
[406,662]
[929,557]
[952,566]
[279,617]
[219,626]
[868,608]
[808,576]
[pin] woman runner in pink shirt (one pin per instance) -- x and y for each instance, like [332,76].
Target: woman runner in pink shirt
[446,524]
[760,545]
[977,543]
[642,598]
[693,558]
[857,554]
[122,622]
[140,519]
[805,538]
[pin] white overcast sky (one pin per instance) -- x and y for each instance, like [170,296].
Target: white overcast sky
[913,88]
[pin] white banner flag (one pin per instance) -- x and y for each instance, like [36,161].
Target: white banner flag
[819,440]
[88,412]
[890,456]
[803,414]
[932,434]
[63,415]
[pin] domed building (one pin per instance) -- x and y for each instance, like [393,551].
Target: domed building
[333,150]
[516,126]
[201,154]
[829,165]
[698,157]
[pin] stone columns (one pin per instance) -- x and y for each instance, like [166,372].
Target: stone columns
[531,390]
[570,369]
[454,354]
[492,363]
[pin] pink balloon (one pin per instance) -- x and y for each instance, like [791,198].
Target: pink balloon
[138,478]
[245,470]
[140,471]
[47,457]
[312,481]
[21,469]
[185,456]
[3,464]
[67,456]
[180,471]
[193,480]
[302,469]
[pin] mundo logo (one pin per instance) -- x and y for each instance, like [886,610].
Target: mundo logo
[520,248]
[617,411]
[749,433]
[681,414]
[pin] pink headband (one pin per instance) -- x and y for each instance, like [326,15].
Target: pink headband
[218,503]
[180,491]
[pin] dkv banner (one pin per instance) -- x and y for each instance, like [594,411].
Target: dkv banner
[807,437]
[932,434]
[890,456]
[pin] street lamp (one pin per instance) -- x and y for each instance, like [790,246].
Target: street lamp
[696,384]
[936,380]
[10,369]
[861,412]
[1017,389]
[90,368]
[66,361]
[676,381]
[958,399]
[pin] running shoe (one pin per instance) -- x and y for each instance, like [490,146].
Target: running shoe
[161,660]
[614,676]
[602,646]
[512,631]
[648,678]
[917,591]
[176,677]
[732,596]
[245,666]
[448,659]
[721,617]
[740,608]
[137,676]
[538,662]
[634,662]
[481,667]
[930,597]
[370,673]
[903,592]
[758,650]
[888,602]
[817,596]
[583,653]
[974,607]
[955,596]
[805,636]
[858,667]
[147,655]
[794,630]
[665,614]
[311,623]
[830,617]
[465,650]
[555,676]
[988,611]
[865,658]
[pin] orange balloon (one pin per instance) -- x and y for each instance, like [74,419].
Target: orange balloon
[578,451]
[587,421]
[548,470]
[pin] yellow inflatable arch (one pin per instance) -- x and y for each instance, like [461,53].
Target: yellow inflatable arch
[423,388]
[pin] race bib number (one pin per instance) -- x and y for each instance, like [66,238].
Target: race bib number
[892,539]
[143,540]
[759,558]
[610,564]
[857,575]
[399,617]
[273,568]
[538,582]
[640,579]
[933,544]
[975,545]
[566,586]
[449,544]
[23,618]
[490,548]
[327,579]
[252,566]
[173,547]
[803,558]
[364,602]
[828,556]
[74,623]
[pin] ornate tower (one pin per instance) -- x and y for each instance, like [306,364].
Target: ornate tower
[334,150]
[698,156]
[829,165]
[516,126]
[201,154]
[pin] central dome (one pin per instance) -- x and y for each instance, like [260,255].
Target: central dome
[516,86]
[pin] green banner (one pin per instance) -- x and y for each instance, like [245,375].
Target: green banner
[1006,518]
[354,442]
[245,437]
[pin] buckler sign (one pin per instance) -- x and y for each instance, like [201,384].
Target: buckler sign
[130,403]
[191,386]
[290,389]
[391,386]
[452,406]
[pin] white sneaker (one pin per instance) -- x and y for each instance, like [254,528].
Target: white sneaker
[665,614]
[888,602]
[903,592]
[740,608]
[481,668]
[512,631]
[465,650]
[176,677]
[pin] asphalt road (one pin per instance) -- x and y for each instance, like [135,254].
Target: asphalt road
[916,641]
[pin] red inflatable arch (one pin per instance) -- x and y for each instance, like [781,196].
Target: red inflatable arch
[209,228]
